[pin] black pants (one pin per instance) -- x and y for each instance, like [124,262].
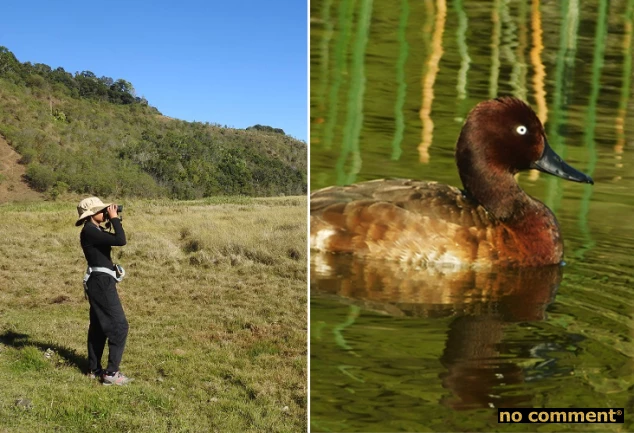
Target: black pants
[107,321]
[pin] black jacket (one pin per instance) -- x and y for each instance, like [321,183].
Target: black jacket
[98,243]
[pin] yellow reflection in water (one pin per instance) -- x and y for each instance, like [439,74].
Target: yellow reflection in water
[495,50]
[428,81]
[626,78]
[538,65]
[540,71]
[463,48]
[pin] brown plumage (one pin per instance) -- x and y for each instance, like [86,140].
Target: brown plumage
[492,223]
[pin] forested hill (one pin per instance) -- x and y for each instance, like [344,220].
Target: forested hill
[77,132]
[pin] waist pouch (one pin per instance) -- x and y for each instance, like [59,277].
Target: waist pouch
[117,273]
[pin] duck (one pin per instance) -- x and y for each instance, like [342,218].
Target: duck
[490,222]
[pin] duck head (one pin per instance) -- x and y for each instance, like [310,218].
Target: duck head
[500,138]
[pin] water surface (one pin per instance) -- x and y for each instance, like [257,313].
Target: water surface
[396,349]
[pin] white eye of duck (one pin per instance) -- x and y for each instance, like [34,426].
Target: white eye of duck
[521,130]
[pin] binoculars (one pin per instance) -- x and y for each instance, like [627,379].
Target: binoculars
[119,210]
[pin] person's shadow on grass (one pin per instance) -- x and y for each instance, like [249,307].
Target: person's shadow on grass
[71,357]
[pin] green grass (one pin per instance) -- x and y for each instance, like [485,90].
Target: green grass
[216,300]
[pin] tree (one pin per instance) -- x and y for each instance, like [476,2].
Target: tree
[107,81]
[42,69]
[122,86]
[122,92]
[236,177]
[90,86]
[266,128]
[8,63]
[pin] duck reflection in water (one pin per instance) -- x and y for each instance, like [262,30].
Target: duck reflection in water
[478,370]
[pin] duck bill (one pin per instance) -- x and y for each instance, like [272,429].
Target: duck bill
[552,163]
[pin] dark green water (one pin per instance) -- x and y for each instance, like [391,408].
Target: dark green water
[394,349]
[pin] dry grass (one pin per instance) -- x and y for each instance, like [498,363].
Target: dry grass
[216,300]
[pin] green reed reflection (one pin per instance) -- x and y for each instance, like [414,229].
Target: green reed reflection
[324,53]
[566,51]
[354,119]
[520,68]
[590,122]
[345,18]
[338,330]
[401,93]
[509,33]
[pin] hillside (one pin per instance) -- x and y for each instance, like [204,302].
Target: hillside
[90,135]
[12,185]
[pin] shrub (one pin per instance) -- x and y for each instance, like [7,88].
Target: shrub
[28,156]
[192,246]
[58,189]
[40,177]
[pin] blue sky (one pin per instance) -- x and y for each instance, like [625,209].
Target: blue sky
[232,63]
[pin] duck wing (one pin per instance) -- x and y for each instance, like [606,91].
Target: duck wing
[405,220]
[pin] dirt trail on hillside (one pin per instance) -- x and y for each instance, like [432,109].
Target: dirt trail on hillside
[13,187]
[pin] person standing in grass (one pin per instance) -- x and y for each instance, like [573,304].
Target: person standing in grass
[107,318]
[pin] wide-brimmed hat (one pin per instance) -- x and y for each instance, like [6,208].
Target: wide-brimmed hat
[88,207]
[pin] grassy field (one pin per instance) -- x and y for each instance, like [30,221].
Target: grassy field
[216,300]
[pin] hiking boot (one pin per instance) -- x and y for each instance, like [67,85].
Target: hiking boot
[115,379]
